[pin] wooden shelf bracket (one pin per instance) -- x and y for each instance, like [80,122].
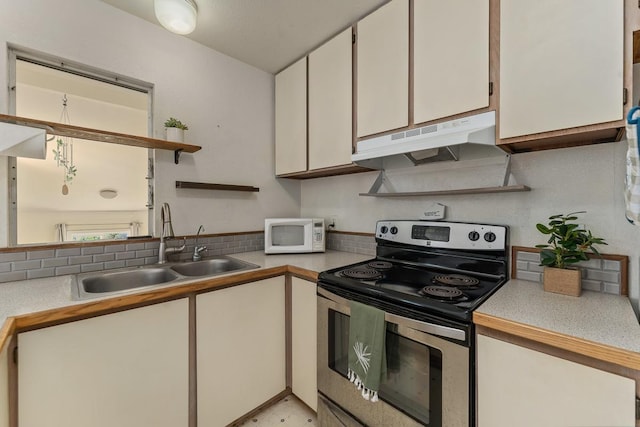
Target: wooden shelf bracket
[383,181]
[176,156]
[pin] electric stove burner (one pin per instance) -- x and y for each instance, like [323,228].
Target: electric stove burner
[380,265]
[361,273]
[442,292]
[426,270]
[456,280]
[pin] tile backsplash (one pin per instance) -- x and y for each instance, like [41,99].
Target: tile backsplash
[35,263]
[598,274]
[42,262]
[351,242]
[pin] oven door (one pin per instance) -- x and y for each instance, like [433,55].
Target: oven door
[427,381]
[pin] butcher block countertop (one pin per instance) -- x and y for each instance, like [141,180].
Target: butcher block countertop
[597,325]
[29,304]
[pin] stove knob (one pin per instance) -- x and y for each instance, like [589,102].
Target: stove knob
[490,237]
[474,235]
[384,229]
[394,230]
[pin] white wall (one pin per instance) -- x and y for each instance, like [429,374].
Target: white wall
[228,106]
[566,180]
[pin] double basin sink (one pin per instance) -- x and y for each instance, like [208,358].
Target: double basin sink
[92,285]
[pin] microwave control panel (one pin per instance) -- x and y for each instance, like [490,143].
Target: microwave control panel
[318,243]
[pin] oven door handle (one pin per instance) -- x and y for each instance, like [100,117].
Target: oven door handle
[419,325]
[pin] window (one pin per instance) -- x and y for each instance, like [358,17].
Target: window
[94,99]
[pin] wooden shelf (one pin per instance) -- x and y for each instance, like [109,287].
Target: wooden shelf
[78,132]
[481,190]
[221,187]
[324,172]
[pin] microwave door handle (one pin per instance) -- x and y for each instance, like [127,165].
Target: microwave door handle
[426,327]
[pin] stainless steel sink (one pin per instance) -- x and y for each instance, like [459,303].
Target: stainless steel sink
[212,266]
[92,285]
[125,280]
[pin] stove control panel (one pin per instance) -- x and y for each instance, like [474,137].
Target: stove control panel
[446,235]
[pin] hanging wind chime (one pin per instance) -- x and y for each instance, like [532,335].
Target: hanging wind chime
[63,153]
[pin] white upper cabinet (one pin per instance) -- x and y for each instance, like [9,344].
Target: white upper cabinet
[451,57]
[22,141]
[561,64]
[383,69]
[291,119]
[330,103]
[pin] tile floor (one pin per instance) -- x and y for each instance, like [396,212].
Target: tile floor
[288,412]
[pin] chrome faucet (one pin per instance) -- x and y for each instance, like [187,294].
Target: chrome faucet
[167,233]
[198,249]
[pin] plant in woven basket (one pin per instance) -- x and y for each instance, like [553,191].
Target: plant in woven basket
[568,242]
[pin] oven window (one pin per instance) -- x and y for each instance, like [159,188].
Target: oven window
[414,371]
[287,235]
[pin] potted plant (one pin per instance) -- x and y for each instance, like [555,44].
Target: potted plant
[567,245]
[175,130]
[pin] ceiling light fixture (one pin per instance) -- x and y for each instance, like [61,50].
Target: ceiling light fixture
[177,16]
[108,193]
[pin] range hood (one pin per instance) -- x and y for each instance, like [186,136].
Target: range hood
[22,141]
[438,142]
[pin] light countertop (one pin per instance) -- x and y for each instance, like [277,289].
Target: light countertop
[29,297]
[601,321]
[595,324]
[312,262]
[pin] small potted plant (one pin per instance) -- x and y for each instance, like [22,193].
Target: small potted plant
[175,130]
[567,245]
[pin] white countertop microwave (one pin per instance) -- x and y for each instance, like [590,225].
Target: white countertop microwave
[294,235]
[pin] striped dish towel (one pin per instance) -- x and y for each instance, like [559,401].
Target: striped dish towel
[632,181]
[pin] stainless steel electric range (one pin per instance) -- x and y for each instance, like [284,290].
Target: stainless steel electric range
[427,277]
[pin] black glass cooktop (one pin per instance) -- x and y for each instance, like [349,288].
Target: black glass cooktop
[451,292]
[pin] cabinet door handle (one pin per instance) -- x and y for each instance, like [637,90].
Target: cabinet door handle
[625,93]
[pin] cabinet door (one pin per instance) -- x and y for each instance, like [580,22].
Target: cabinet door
[291,119]
[561,64]
[451,57]
[241,352]
[522,387]
[383,69]
[304,318]
[330,103]
[124,369]
[4,387]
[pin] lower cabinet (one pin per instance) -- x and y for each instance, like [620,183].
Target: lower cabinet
[4,387]
[123,369]
[131,368]
[304,342]
[241,349]
[518,386]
